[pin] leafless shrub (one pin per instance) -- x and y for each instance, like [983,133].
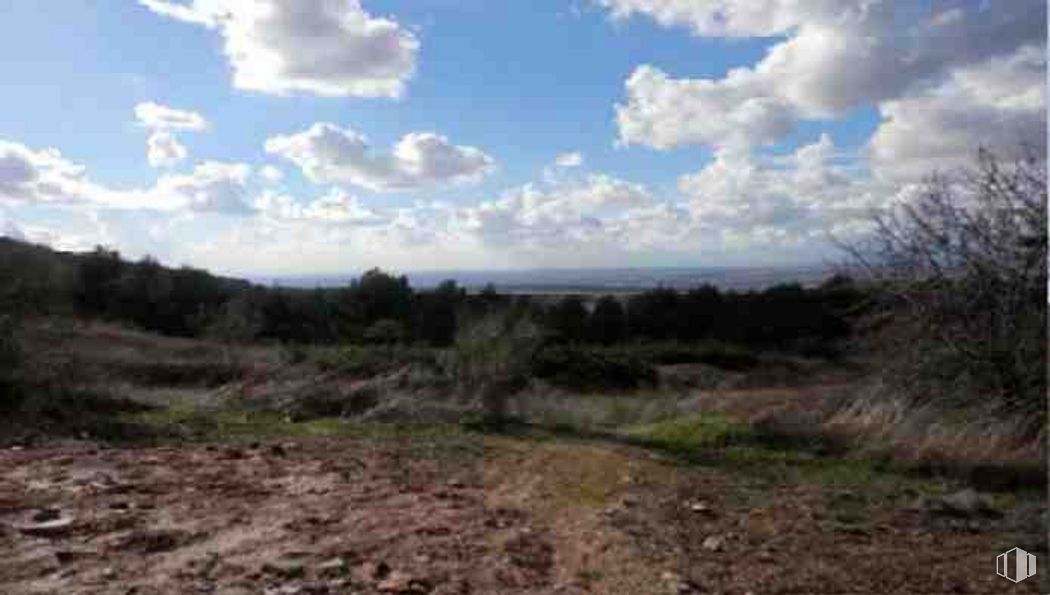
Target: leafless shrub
[492,356]
[961,273]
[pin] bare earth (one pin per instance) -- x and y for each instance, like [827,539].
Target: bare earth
[464,513]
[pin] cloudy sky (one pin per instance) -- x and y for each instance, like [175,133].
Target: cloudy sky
[328,136]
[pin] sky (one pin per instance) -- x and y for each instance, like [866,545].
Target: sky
[303,137]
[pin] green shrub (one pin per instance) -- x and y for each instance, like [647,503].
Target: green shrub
[492,357]
[720,355]
[585,369]
[368,361]
[11,390]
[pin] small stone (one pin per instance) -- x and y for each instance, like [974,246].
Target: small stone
[46,514]
[714,543]
[109,573]
[72,555]
[333,567]
[284,569]
[701,507]
[397,582]
[55,528]
[964,503]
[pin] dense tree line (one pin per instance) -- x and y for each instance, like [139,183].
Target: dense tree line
[786,316]
[381,308]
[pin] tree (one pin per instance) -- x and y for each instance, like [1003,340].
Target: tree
[962,274]
[608,322]
[96,282]
[568,319]
[383,296]
[438,313]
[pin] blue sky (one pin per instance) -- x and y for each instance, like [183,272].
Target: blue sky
[707,134]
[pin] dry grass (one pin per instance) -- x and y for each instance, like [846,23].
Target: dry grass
[990,450]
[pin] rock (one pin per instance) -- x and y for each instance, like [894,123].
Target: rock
[284,569]
[967,503]
[277,450]
[714,543]
[401,582]
[701,508]
[72,555]
[45,515]
[332,568]
[152,541]
[55,528]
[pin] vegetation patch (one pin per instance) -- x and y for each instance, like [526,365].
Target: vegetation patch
[591,369]
[250,425]
[688,435]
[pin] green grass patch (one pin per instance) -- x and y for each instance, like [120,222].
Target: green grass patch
[713,439]
[687,435]
[252,425]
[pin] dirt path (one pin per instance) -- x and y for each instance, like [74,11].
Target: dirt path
[467,514]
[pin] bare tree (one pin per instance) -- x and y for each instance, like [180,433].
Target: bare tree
[962,274]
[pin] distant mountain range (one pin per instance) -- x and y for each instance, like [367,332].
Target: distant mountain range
[590,280]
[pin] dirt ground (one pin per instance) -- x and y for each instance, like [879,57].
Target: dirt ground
[467,513]
[226,505]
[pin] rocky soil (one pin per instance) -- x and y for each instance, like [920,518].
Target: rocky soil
[465,513]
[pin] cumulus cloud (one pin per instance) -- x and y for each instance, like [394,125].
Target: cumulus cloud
[324,47]
[336,207]
[329,154]
[10,229]
[211,187]
[995,104]
[271,174]
[29,176]
[664,113]
[835,56]
[574,159]
[161,117]
[164,150]
[751,200]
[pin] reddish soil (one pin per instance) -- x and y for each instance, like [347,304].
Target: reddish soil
[464,514]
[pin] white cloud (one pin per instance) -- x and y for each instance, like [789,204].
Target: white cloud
[664,113]
[29,176]
[271,174]
[10,229]
[996,105]
[161,117]
[212,187]
[751,201]
[164,150]
[574,159]
[325,47]
[336,207]
[46,176]
[329,154]
[835,56]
